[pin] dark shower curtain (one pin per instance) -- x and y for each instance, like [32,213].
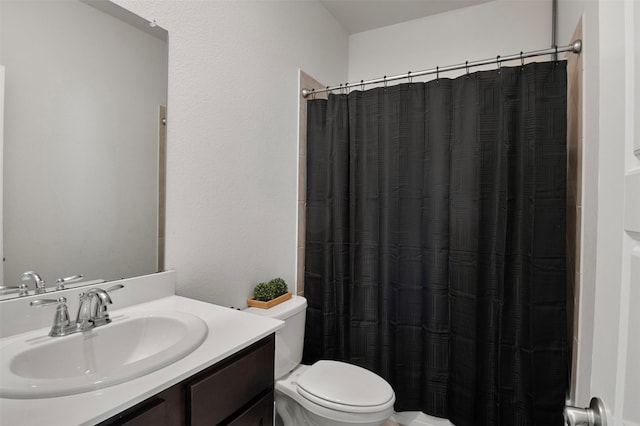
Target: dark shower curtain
[435,242]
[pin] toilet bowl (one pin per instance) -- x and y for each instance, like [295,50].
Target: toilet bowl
[327,393]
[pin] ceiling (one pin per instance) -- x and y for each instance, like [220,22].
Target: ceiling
[363,15]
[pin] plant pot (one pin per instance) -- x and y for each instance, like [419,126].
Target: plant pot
[269,303]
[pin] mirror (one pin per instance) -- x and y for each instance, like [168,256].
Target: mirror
[85,84]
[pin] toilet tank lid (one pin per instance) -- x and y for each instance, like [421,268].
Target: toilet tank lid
[282,310]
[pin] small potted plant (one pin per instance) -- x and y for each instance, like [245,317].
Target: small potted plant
[269,294]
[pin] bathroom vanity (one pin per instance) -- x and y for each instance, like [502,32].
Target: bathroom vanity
[227,379]
[235,391]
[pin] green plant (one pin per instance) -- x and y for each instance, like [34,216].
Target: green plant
[270,290]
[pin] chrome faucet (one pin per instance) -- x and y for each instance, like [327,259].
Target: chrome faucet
[40,283]
[91,313]
[93,309]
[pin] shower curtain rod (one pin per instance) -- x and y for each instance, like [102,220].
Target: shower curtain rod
[574,47]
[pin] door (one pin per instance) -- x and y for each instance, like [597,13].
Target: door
[1,171]
[615,375]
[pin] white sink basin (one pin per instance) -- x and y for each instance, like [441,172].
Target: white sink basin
[39,366]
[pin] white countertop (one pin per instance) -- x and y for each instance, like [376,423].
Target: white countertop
[229,331]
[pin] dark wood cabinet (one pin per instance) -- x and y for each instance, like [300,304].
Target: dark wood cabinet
[236,391]
[153,412]
[259,414]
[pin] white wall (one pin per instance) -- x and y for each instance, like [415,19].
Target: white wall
[500,27]
[232,135]
[80,141]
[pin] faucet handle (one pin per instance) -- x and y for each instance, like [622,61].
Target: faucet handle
[61,281]
[23,290]
[47,302]
[61,322]
[114,288]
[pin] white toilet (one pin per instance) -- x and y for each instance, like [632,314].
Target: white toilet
[327,393]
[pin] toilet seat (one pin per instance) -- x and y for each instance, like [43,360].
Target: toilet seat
[345,387]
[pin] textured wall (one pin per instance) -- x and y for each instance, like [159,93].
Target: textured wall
[451,38]
[232,135]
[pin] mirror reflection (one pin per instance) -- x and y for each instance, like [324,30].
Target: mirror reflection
[84,90]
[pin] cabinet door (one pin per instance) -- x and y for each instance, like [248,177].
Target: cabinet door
[164,409]
[213,397]
[259,414]
[237,390]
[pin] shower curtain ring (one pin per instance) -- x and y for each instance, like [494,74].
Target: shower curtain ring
[521,60]
[409,77]
[437,74]
[362,85]
[466,65]
[385,81]
[313,94]
[498,63]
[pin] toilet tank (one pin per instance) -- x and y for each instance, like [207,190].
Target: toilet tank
[290,338]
